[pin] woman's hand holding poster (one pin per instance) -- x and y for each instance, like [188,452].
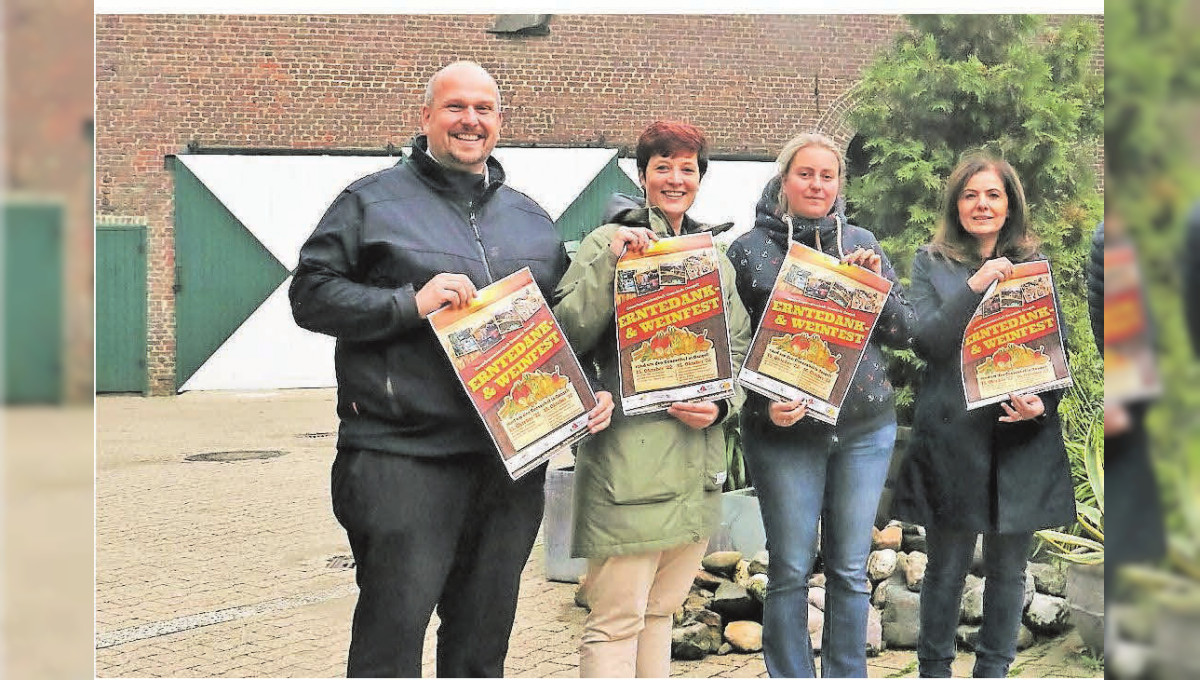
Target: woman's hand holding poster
[1013,343]
[817,322]
[671,331]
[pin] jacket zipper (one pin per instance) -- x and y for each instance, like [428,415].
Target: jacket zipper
[487,268]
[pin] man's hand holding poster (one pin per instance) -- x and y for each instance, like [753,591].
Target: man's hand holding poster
[515,364]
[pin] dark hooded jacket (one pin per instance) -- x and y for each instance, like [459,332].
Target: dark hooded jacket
[381,240]
[757,256]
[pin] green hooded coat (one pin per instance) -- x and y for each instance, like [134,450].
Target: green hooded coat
[648,482]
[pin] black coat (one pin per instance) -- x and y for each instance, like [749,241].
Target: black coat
[966,470]
[383,238]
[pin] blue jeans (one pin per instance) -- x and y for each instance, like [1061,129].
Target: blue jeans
[836,481]
[950,555]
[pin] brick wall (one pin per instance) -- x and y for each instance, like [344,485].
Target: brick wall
[357,81]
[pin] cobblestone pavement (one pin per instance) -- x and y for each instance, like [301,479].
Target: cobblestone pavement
[47,543]
[235,569]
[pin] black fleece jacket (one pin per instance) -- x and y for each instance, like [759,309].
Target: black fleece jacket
[383,238]
[757,256]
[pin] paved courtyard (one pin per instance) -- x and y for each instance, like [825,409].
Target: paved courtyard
[238,568]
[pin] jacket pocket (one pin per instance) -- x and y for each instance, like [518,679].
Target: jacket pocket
[643,464]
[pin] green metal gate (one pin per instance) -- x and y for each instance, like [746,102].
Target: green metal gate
[33,305]
[121,308]
[222,273]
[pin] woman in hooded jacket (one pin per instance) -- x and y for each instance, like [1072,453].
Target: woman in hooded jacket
[806,470]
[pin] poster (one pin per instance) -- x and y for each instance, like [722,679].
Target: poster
[817,323]
[1130,369]
[672,335]
[1013,342]
[514,362]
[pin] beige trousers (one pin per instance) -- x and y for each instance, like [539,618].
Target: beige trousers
[628,632]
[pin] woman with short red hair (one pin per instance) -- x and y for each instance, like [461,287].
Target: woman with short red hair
[647,489]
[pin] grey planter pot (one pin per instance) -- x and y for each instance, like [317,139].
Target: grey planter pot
[1085,599]
[556,528]
[741,524]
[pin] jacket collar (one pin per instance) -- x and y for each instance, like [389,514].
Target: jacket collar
[631,211]
[804,229]
[463,185]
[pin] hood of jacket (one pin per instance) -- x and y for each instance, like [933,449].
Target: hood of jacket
[804,229]
[631,211]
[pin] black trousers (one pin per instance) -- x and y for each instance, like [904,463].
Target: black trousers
[451,533]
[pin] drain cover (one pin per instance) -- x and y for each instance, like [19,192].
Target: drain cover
[233,456]
[315,435]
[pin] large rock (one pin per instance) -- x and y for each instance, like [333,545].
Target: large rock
[708,580]
[741,574]
[1047,614]
[977,557]
[874,632]
[745,636]
[708,618]
[816,597]
[816,623]
[694,641]
[722,562]
[1049,579]
[879,596]
[734,603]
[967,636]
[881,564]
[581,594]
[901,617]
[1025,638]
[971,611]
[914,539]
[759,564]
[695,602]
[758,587]
[1030,590]
[890,537]
[914,570]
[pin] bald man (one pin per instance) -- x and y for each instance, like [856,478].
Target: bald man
[431,515]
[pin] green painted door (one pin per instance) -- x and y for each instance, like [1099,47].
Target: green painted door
[120,308]
[33,306]
[222,273]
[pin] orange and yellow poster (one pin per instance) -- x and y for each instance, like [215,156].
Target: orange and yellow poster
[514,362]
[813,332]
[672,335]
[1130,369]
[1013,343]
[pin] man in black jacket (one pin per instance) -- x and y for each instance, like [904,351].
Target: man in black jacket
[432,517]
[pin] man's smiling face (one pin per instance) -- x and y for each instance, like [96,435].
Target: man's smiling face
[463,120]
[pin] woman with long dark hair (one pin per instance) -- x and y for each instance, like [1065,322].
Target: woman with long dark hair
[999,470]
